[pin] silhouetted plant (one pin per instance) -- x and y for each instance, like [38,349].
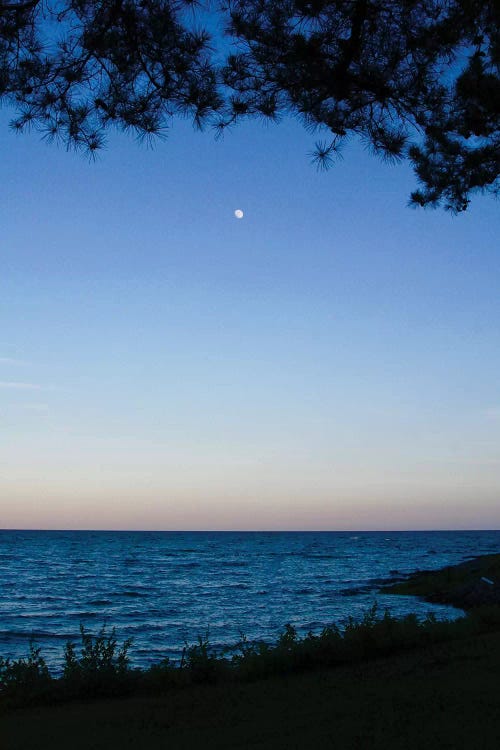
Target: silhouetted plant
[413,80]
[162,675]
[288,638]
[101,667]
[27,678]
[203,662]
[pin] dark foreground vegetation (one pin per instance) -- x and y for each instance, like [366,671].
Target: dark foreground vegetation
[380,683]
[100,667]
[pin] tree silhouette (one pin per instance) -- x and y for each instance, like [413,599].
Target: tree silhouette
[414,79]
[74,67]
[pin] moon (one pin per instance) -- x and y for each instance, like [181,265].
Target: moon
[238,213]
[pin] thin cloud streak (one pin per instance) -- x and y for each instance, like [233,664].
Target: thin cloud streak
[21,386]
[35,409]
[38,408]
[12,361]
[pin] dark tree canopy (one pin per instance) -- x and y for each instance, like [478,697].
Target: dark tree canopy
[414,79]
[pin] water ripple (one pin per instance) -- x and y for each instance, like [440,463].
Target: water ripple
[165,589]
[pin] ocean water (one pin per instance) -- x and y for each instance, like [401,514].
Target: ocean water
[164,589]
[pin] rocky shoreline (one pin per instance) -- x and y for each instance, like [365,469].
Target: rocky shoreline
[470,584]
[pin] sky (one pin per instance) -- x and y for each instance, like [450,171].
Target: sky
[329,361]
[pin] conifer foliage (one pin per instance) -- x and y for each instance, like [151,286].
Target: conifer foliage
[75,67]
[414,79]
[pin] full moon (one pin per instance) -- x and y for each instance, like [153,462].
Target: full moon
[238,213]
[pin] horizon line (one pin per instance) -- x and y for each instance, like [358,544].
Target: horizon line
[252,531]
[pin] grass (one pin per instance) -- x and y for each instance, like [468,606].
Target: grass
[101,667]
[442,696]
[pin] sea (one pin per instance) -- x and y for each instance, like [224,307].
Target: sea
[164,590]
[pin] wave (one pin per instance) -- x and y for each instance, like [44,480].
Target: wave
[82,615]
[36,635]
[355,591]
[134,594]
[169,592]
[240,586]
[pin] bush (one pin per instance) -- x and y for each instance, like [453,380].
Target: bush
[25,680]
[102,668]
[161,676]
[202,661]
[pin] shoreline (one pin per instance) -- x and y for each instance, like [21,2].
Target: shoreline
[467,585]
[441,695]
[389,684]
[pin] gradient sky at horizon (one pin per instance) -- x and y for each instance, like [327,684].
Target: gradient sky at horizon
[330,361]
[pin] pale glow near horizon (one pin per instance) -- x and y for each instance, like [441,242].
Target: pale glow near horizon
[111,502]
[331,364]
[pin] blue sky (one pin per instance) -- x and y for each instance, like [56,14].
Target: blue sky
[329,361]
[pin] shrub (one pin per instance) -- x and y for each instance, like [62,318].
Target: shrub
[25,680]
[102,668]
[161,676]
[202,661]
